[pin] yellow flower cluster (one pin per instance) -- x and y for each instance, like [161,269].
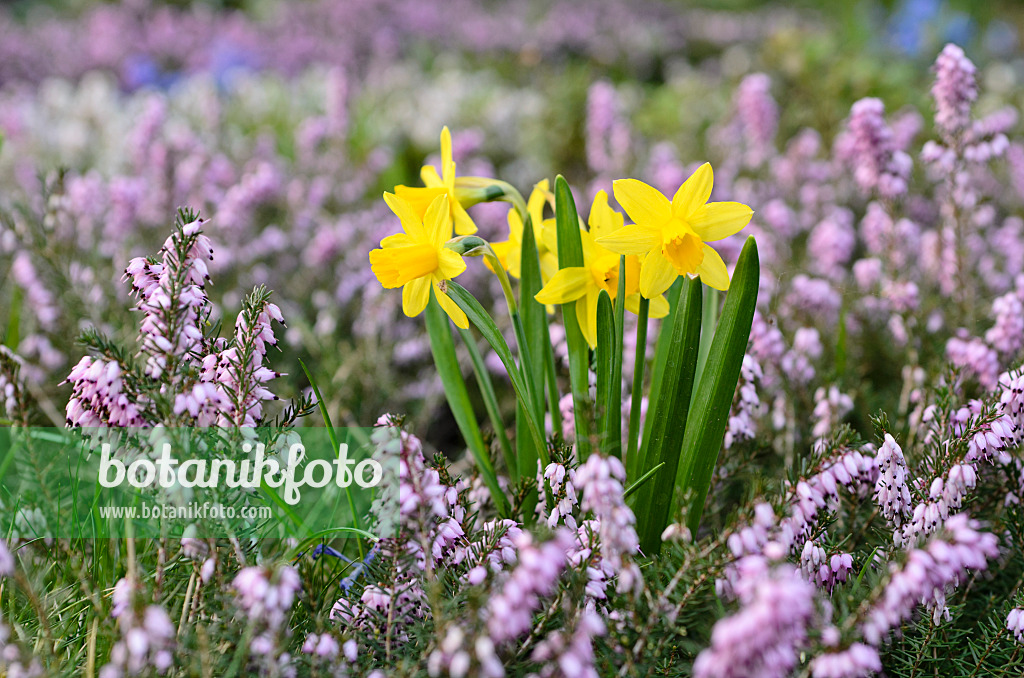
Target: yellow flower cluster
[666,239]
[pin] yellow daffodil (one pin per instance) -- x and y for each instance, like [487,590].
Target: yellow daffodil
[461,192]
[417,258]
[510,251]
[676,233]
[600,271]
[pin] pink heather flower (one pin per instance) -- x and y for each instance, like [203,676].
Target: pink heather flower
[765,636]
[1007,335]
[891,490]
[747,407]
[797,363]
[571,656]
[927,573]
[758,117]
[857,661]
[510,612]
[975,357]
[869,149]
[6,560]
[267,595]
[601,480]
[1015,623]
[607,133]
[831,405]
[831,244]
[954,90]
[562,482]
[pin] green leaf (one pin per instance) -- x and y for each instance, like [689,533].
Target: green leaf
[334,444]
[708,322]
[706,422]
[483,380]
[661,348]
[609,401]
[535,331]
[641,480]
[570,255]
[667,413]
[443,348]
[485,324]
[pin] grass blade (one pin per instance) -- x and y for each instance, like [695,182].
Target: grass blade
[570,254]
[706,422]
[666,413]
[443,349]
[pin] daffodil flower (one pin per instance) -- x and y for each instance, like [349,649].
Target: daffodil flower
[417,259]
[600,271]
[674,235]
[510,251]
[462,192]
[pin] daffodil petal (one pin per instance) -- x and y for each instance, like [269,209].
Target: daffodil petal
[415,296]
[397,240]
[449,264]
[644,204]
[633,239]
[437,221]
[694,192]
[463,222]
[407,210]
[712,270]
[656,275]
[718,220]
[430,177]
[586,316]
[457,315]
[419,198]
[447,164]
[659,307]
[568,284]
[603,219]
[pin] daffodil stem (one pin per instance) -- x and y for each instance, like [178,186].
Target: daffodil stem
[638,378]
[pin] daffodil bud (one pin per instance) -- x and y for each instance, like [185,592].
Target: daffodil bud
[468,245]
[472,190]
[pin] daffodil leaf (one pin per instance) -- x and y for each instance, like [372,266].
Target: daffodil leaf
[483,380]
[666,414]
[609,402]
[570,255]
[485,325]
[535,330]
[706,422]
[443,349]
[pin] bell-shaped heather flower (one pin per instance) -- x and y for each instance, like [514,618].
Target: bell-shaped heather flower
[765,636]
[869,149]
[954,90]
[975,357]
[747,407]
[891,490]
[601,482]
[571,656]
[510,612]
[266,595]
[857,661]
[758,117]
[927,571]
[1015,623]
[608,134]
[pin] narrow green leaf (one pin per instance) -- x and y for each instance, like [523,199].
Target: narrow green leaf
[535,330]
[485,324]
[667,414]
[660,355]
[483,380]
[708,322]
[570,254]
[706,422]
[609,401]
[334,444]
[443,348]
[640,481]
